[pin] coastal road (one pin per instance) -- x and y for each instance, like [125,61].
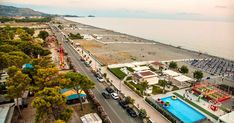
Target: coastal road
[112,108]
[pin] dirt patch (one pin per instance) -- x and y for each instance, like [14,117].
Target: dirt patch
[89,45]
[106,60]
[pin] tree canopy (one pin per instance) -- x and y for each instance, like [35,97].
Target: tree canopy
[173,65]
[184,69]
[198,75]
[43,34]
[51,106]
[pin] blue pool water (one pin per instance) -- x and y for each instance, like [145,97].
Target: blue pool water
[183,111]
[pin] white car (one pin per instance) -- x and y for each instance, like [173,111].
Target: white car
[100,79]
[114,96]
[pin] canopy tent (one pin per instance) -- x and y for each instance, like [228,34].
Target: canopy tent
[227,118]
[71,94]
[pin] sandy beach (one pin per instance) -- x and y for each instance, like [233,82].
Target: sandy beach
[114,47]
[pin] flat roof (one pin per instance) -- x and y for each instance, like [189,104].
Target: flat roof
[227,118]
[182,78]
[4,112]
[171,73]
[140,68]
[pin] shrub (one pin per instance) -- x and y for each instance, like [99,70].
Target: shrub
[142,113]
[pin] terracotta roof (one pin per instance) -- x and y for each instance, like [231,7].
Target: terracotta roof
[146,73]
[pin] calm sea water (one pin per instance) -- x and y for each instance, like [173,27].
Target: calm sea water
[212,37]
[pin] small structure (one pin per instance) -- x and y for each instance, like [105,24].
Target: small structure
[227,118]
[157,65]
[140,68]
[91,118]
[182,79]
[6,112]
[147,75]
[171,73]
[71,94]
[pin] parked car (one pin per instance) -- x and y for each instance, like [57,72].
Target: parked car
[114,96]
[106,95]
[82,59]
[87,64]
[123,104]
[109,90]
[100,79]
[131,112]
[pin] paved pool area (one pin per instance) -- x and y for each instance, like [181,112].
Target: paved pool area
[183,111]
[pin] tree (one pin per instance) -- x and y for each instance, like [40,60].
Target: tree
[163,83]
[198,75]
[43,62]
[17,85]
[142,113]
[11,71]
[50,106]
[79,82]
[24,36]
[184,69]
[129,100]
[173,65]
[8,48]
[43,35]
[144,85]
[46,77]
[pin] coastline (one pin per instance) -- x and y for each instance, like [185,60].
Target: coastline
[143,40]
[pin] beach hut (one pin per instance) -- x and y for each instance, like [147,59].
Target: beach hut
[71,94]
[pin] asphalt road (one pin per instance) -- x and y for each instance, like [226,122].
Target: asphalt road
[116,113]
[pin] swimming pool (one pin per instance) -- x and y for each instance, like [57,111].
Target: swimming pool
[183,111]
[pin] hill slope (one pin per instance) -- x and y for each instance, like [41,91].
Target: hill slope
[14,11]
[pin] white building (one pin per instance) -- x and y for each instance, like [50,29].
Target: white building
[177,77]
[227,118]
[91,118]
[146,75]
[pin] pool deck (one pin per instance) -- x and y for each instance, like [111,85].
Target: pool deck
[193,98]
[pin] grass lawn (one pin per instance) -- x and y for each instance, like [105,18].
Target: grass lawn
[130,69]
[118,73]
[137,86]
[157,90]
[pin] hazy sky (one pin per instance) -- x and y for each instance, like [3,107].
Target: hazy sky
[213,9]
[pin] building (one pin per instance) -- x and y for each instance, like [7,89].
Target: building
[91,118]
[146,75]
[227,118]
[6,112]
[177,77]
[157,65]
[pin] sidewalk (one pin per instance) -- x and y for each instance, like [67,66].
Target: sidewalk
[153,113]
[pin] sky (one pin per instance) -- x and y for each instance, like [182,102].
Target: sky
[184,9]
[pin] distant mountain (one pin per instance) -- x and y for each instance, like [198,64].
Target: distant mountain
[14,11]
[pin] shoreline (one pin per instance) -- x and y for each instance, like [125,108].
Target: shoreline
[143,40]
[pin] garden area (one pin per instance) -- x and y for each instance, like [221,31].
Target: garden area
[118,73]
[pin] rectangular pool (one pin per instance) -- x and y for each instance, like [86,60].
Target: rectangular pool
[183,111]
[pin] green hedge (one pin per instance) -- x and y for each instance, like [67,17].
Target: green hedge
[118,73]
[133,88]
[130,69]
[197,106]
[162,111]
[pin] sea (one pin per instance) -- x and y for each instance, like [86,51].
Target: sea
[210,37]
